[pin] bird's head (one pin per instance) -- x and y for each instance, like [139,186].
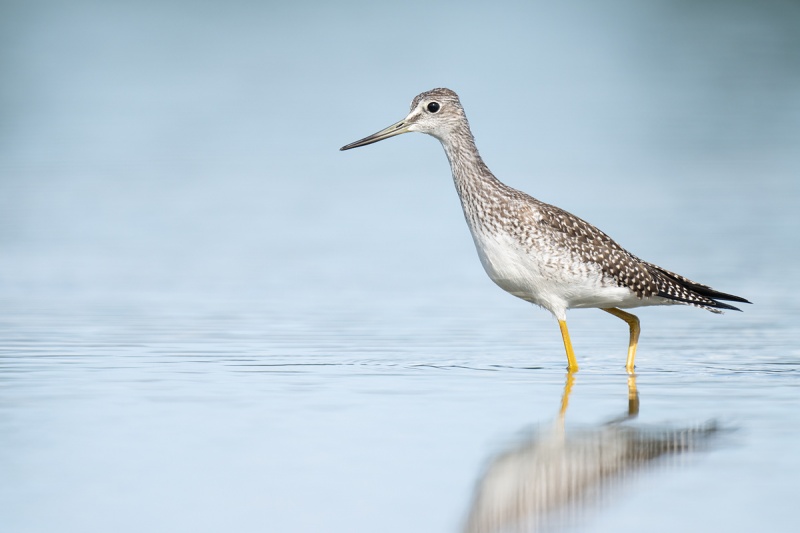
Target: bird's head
[437,112]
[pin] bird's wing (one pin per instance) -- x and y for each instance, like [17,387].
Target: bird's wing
[645,279]
[591,245]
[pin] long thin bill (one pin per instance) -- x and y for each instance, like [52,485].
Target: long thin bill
[395,129]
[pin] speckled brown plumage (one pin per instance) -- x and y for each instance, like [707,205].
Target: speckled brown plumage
[545,229]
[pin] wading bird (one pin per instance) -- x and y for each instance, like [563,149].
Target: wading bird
[539,252]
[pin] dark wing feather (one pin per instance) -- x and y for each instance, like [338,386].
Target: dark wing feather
[676,287]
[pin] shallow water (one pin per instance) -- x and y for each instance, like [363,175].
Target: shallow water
[201,421]
[212,320]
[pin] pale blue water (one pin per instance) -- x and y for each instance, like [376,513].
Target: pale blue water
[212,320]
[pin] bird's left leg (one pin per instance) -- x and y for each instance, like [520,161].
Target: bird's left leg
[633,323]
[572,363]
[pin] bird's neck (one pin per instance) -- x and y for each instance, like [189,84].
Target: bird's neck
[475,183]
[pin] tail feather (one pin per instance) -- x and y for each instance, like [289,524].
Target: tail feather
[680,289]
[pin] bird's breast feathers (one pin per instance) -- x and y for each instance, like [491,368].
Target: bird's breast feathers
[548,276]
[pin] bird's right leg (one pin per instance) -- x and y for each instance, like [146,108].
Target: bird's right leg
[633,324]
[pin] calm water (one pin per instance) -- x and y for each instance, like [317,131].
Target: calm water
[211,320]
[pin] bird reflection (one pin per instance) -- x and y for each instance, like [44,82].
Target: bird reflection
[551,478]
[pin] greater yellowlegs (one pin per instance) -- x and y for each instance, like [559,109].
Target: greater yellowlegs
[536,251]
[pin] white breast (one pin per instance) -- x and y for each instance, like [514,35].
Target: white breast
[554,280]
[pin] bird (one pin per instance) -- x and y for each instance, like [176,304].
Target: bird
[537,251]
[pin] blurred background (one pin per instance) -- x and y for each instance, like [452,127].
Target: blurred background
[173,205]
[173,146]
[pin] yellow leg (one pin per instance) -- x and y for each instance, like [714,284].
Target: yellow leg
[572,363]
[633,323]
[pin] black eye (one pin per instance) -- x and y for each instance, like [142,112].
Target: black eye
[433,107]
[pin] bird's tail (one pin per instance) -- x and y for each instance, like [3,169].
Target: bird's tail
[675,287]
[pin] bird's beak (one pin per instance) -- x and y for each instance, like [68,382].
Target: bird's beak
[395,129]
